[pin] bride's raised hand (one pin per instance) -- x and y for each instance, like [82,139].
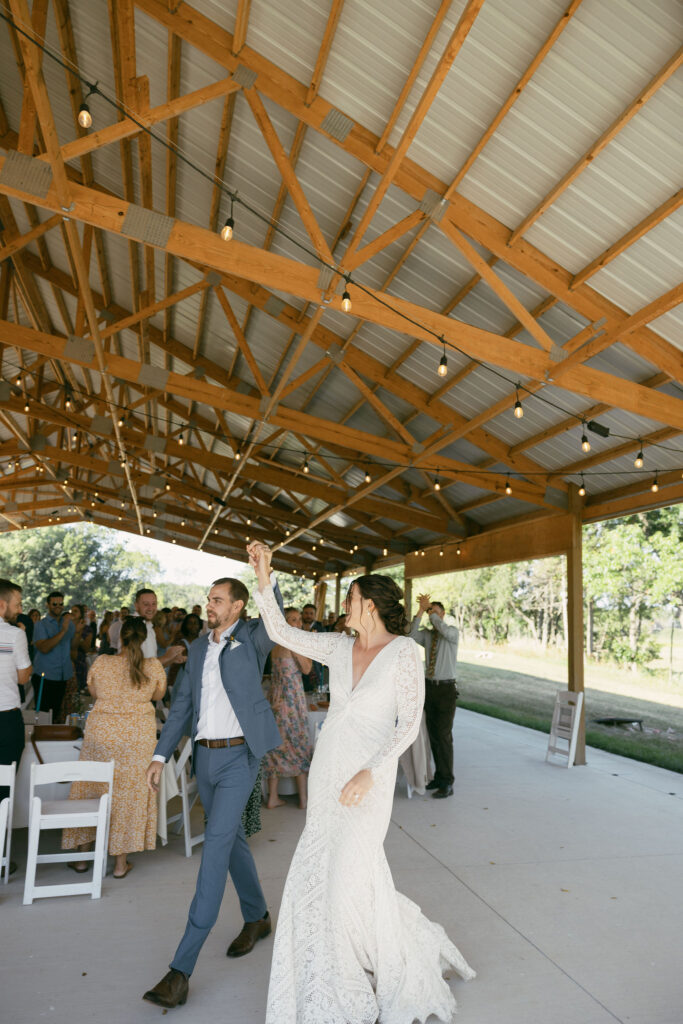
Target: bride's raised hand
[356,788]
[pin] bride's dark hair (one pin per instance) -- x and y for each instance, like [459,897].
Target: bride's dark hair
[387,596]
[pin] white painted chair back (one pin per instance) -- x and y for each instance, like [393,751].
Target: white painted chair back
[564,729]
[8,774]
[59,814]
[189,794]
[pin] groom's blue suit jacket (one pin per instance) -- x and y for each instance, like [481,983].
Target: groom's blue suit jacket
[241,671]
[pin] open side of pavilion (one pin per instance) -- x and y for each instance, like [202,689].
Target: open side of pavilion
[561,887]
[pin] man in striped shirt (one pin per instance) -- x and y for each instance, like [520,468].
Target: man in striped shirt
[15,669]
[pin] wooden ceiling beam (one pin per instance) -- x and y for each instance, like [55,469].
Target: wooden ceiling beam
[642,228]
[584,161]
[282,273]
[429,94]
[17,244]
[414,180]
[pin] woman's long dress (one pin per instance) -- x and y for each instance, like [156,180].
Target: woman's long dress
[121,727]
[288,702]
[349,949]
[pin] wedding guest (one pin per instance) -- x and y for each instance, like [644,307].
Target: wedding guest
[441,693]
[34,614]
[52,665]
[161,632]
[81,643]
[314,676]
[104,645]
[122,727]
[15,670]
[190,628]
[292,758]
[115,628]
[146,608]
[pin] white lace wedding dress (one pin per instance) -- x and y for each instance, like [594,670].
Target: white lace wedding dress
[349,949]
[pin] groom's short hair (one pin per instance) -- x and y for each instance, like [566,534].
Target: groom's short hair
[238,591]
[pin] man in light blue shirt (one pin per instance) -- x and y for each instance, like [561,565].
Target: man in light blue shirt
[52,665]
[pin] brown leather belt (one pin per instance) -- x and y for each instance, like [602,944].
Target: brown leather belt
[212,744]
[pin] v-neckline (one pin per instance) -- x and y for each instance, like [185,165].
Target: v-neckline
[369,665]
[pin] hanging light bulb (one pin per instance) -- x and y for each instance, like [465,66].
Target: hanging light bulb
[84,116]
[123,504]
[655,484]
[182,522]
[228,229]
[508,488]
[181,439]
[442,369]
[305,466]
[67,401]
[18,380]
[168,487]
[367,477]
[441,553]
[638,461]
[385,552]
[518,410]
[585,443]
[457,551]
[123,461]
[26,406]
[287,533]
[582,488]
[346,302]
[437,484]
[120,421]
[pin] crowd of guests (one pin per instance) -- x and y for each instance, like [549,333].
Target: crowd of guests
[130,660]
[122,665]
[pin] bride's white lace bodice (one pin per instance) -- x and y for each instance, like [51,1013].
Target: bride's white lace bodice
[349,949]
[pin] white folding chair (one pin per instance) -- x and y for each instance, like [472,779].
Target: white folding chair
[59,814]
[564,728]
[189,794]
[7,776]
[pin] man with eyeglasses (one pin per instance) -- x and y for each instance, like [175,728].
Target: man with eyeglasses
[52,665]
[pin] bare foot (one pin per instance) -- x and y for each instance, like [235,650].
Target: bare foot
[272,804]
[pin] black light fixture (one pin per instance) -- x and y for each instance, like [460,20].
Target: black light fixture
[305,466]
[84,115]
[655,483]
[442,369]
[582,488]
[228,229]
[367,477]
[585,443]
[638,461]
[437,484]
[508,488]
[346,299]
[518,410]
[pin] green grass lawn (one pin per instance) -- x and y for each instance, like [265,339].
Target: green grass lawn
[519,687]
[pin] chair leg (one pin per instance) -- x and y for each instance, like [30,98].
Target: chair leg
[100,848]
[8,847]
[32,852]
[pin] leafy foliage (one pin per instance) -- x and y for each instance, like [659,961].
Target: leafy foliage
[86,562]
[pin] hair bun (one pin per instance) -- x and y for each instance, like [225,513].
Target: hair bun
[387,597]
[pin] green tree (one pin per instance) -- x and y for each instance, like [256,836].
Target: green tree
[296,592]
[86,562]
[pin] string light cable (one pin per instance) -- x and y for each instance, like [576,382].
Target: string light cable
[95,89]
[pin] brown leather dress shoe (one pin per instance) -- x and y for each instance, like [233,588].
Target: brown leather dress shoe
[249,936]
[171,991]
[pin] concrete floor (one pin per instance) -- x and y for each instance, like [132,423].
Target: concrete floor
[562,888]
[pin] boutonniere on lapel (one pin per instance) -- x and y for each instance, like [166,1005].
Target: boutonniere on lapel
[233,642]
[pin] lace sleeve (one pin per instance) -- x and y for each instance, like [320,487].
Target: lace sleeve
[317,646]
[410,697]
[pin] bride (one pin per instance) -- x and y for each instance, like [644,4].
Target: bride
[349,949]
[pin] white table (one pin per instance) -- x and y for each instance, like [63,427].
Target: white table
[50,751]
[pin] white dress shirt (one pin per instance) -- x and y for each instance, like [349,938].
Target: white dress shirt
[148,646]
[13,658]
[217,719]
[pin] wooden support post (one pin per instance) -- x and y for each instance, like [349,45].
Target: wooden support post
[337,597]
[575,616]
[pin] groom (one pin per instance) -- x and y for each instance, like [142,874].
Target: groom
[221,704]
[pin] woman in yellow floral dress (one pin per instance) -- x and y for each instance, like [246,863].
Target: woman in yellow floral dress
[122,727]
